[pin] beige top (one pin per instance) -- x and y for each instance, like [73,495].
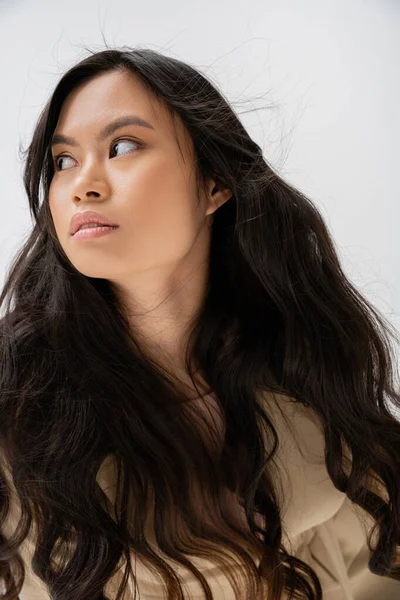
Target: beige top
[321,525]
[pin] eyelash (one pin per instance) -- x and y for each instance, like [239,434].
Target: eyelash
[134,141]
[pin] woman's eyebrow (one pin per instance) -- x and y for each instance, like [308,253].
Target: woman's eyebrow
[59,138]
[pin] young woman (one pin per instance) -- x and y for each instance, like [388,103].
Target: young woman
[195,400]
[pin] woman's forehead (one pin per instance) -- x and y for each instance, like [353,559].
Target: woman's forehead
[108,96]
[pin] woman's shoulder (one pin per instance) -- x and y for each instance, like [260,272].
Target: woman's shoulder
[306,493]
[297,425]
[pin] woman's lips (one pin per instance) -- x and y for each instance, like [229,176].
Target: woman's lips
[93,232]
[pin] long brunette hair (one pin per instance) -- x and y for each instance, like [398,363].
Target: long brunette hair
[280,315]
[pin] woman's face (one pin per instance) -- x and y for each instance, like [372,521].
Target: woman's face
[134,176]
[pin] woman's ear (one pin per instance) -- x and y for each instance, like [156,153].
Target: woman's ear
[218,195]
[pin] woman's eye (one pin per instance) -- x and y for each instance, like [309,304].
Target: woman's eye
[124,142]
[57,161]
[120,143]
